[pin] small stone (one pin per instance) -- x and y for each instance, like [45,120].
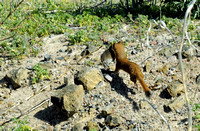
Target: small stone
[164,69]
[112,100]
[176,104]
[198,79]
[30,61]
[1,102]
[112,120]
[88,50]
[188,52]
[175,88]
[174,77]
[92,126]
[47,57]
[66,80]
[51,36]
[60,58]
[108,78]
[148,67]
[78,127]
[144,105]
[62,50]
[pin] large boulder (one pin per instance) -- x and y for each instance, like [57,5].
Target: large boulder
[68,99]
[17,77]
[90,78]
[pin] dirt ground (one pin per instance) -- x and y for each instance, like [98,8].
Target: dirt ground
[32,102]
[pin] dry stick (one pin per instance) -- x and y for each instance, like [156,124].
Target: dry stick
[88,55]
[12,12]
[159,49]
[18,25]
[147,44]
[27,112]
[182,68]
[164,26]
[7,37]
[186,34]
[158,113]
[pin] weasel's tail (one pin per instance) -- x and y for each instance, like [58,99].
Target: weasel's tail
[146,89]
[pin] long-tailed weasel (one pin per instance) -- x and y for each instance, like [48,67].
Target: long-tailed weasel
[122,63]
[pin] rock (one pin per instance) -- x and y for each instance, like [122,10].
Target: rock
[188,52]
[148,67]
[198,79]
[90,78]
[17,77]
[47,57]
[174,77]
[175,88]
[68,99]
[108,78]
[144,105]
[164,69]
[107,110]
[176,104]
[158,81]
[78,127]
[112,120]
[169,51]
[134,50]
[89,49]
[92,126]
[66,80]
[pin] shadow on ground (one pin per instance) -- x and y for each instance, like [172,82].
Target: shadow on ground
[50,115]
[120,87]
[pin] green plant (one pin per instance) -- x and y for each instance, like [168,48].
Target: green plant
[21,125]
[90,63]
[196,110]
[39,73]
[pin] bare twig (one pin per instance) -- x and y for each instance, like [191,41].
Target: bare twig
[164,26]
[186,34]
[35,107]
[27,112]
[11,12]
[88,55]
[7,37]
[159,49]
[158,113]
[182,68]
[147,44]
[18,25]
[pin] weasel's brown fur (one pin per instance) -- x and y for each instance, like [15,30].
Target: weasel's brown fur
[122,63]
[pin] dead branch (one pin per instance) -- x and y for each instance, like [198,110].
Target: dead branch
[27,112]
[11,12]
[147,44]
[181,65]
[88,55]
[18,25]
[186,34]
[158,113]
[164,26]
[7,37]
